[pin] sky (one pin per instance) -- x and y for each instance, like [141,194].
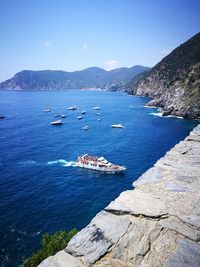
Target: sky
[72,35]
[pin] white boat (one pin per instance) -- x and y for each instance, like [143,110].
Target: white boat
[79,117]
[59,122]
[85,128]
[96,108]
[46,110]
[98,164]
[117,126]
[72,108]
[63,116]
[83,112]
[57,115]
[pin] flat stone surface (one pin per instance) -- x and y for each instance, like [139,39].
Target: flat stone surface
[94,241]
[181,228]
[137,242]
[61,259]
[153,175]
[138,202]
[187,254]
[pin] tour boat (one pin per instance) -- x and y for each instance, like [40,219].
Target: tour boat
[98,164]
[59,122]
[117,126]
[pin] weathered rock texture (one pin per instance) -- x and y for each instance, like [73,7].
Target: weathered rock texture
[174,83]
[156,224]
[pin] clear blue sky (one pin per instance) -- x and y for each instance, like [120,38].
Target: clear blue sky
[76,34]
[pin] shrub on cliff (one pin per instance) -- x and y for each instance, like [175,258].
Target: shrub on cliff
[50,245]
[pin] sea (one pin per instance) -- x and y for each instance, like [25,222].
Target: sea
[41,189]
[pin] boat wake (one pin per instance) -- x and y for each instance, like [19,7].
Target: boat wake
[62,162]
[28,162]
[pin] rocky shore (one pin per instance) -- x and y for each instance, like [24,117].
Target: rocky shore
[174,83]
[155,224]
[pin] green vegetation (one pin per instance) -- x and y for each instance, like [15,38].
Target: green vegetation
[62,80]
[50,245]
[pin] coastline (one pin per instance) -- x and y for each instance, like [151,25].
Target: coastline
[155,224]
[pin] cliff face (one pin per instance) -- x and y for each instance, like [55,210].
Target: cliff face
[156,224]
[174,82]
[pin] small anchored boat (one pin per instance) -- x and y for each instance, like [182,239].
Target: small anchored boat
[79,117]
[117,126]
[83,112]
[47,110]
[63,116]
[57,123]
[96,108]
[85,128]
[72,108]
[98,164]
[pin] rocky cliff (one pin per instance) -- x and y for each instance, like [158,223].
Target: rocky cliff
[156,224]
[174,83]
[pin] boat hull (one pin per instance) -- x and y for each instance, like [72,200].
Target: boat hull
[105,170]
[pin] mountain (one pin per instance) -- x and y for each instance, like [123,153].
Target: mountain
[174,83]
[61,80]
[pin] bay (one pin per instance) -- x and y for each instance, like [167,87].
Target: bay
[40,188]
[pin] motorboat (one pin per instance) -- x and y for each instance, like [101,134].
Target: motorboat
[83,112]
[2,116]
[72,108]
[117,126]
[63,116]
[47,110]
[85,128]
[57,123]
[98,164]
[96,108]
[79,117]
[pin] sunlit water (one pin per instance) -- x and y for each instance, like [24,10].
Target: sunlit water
[41,189]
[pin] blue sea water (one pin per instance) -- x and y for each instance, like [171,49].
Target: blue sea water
[40,188]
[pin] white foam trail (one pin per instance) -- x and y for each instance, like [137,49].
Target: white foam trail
[28,162]
[173,116]
[159,114]
[62,163]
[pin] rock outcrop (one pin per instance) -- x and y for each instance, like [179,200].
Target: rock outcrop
[174,83]
[155,224]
